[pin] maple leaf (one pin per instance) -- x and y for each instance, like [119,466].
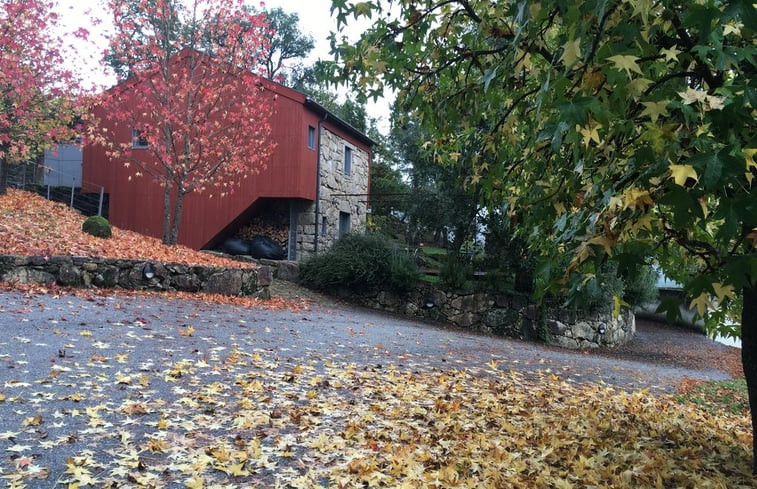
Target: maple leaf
[8,435]
[35,421]
[627,63]
[724,291]
[590,133]
[157,446]
[691,96]
[638,86]
[671,54]
[571,52]
[195,482]
[701,304]
[655,109]
[19,448]
[681,173]
[234,469]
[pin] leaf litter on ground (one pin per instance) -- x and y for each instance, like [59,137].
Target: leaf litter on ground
[30,225]
[236,415]
[217,408]
[341,426]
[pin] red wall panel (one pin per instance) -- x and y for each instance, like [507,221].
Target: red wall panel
[136,203]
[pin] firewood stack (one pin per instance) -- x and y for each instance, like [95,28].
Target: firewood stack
[260,226]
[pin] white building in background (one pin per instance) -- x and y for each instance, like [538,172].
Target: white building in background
[62,166]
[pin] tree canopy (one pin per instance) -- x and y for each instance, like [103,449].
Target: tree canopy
[616,130]
[36,101]
[192,99]
[287,42]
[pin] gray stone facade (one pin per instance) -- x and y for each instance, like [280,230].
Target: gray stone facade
[342,196]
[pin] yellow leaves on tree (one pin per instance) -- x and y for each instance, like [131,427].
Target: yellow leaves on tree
[751,165]
[681,173]
[655,109]
[627,63]
[571,52]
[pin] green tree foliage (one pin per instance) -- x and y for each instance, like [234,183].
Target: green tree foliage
[439,201]
[360,262]
[287,43]
[616,130]
[388,191]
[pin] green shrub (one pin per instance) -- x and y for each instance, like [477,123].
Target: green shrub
[641,286]
[455,271]
[595,292]
[403,271]
[360,262]
[97,226]
[635,285]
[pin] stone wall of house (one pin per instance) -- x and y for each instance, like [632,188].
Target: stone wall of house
[129,274]
[340,193]
[507,315]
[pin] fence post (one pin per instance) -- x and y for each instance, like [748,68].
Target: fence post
[48,191]
[73,183]
[100,207]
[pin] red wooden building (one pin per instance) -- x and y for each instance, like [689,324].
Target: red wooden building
[315,184]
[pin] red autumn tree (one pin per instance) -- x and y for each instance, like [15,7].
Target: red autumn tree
[191,97]
[36,107]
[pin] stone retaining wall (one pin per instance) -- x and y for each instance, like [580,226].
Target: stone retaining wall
[500,314]
[508,315]
[82,271]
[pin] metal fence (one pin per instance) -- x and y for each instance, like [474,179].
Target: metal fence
[31,177]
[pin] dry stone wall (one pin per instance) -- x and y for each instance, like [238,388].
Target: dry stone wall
[508,315]
[130,274]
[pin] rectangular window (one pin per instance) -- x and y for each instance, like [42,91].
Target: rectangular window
[344,223]
[324,226]
[311,137]
[137,140]
[347,160]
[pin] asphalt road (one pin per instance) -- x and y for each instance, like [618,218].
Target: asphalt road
[67,360]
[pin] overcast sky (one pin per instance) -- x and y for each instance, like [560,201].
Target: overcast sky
[314,16]
[315,20]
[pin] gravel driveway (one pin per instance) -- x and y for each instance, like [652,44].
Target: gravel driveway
[76,367]
[37,332]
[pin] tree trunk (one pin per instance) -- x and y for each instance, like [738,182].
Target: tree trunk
[749,358]
[166,215]
[3,176]
[177,217]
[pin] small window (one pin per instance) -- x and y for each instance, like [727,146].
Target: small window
[344,223]
[324,226]
[311,137]
[138,141]
[347,160]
